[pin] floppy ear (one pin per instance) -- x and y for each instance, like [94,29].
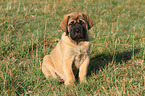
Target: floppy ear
[89,20]
[63,24]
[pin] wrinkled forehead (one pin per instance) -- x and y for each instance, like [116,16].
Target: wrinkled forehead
[76,18]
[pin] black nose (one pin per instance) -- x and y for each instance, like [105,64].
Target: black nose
[77,30]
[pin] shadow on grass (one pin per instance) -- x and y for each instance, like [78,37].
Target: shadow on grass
[102,60]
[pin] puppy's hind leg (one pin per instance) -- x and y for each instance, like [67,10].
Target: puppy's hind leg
[48,67]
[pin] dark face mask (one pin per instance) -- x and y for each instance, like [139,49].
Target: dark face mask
[77,32]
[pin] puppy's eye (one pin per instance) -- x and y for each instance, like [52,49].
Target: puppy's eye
[71,23]
[81,22]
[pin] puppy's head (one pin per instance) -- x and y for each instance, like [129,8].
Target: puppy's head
[76,25]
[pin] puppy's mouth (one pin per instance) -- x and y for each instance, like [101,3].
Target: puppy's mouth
[78,36]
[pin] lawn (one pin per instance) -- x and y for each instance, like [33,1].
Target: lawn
[29,30]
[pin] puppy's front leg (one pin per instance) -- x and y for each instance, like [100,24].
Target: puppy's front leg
[83,69]
[67,69]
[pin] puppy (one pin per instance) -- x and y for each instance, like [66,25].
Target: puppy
[72,51]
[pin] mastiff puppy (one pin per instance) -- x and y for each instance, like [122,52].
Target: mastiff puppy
[72,51]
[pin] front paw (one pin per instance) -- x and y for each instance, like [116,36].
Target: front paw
[69,81]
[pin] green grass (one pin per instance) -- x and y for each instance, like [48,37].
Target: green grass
[29,29]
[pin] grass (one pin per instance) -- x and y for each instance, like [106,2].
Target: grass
[30,29]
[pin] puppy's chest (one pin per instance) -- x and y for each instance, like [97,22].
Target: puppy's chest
[80,56]
[78,60]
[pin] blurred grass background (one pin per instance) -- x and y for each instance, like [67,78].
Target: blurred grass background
[30,29]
